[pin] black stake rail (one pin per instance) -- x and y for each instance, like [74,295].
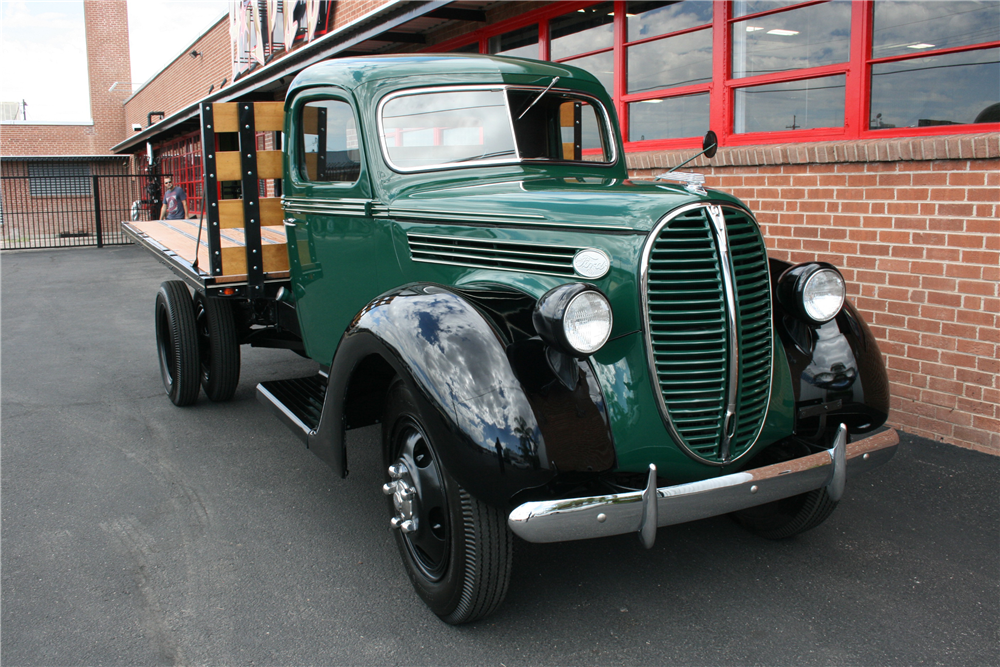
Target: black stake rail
[251,200]
[211,189]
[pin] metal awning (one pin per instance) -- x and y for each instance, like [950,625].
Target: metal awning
[398,25]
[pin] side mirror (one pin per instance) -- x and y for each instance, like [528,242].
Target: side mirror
[709,144]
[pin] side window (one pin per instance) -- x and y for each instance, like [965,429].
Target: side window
[329,143]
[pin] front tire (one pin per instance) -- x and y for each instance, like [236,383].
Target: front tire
[456,549]
[177,342]
[790,516]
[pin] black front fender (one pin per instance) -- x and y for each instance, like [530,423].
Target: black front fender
[501,420]
[837,370]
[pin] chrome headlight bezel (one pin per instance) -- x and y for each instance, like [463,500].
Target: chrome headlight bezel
[560,312]
[815,292]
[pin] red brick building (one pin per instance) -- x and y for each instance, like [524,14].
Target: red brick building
[863,133]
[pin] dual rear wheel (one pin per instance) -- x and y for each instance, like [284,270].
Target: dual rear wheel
[197,344]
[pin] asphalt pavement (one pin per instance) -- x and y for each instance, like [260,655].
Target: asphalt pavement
[138,533]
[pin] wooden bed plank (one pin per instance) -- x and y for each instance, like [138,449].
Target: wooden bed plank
[180,236]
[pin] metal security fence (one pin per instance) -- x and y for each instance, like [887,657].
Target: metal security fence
[39,210]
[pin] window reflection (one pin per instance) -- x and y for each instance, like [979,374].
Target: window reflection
[744,7]
[582,31]
[601,65]
[904,28]
[670,118]
[808,37]
[648,19]
[521,43]
[682,60]
[795,105]
[951,89]
[329,142]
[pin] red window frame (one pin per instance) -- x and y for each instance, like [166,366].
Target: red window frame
[181,158]
[722,89]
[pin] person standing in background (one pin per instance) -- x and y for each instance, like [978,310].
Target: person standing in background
[175,206]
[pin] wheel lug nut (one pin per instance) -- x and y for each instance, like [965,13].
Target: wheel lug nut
[389,489]
[408,526]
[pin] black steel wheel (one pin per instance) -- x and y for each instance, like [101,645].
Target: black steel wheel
[789,516]
[177,342]
[218,346]
[456,549]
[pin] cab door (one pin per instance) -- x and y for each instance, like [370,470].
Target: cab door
[328,223]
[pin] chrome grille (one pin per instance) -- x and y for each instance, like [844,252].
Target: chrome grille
[691,351]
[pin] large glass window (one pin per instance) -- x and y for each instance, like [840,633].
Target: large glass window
[586,31]
[793,105]
[678,58]
[907,28]
[329,148]
[789,66]
[583,31]
[795,39]
[522,43]
[950,89]
[668,118]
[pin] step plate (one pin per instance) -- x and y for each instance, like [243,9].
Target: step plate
[299,402]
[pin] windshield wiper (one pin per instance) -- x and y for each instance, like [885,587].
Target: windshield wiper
[540,96]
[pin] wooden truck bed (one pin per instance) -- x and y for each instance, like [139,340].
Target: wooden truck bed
[175,241]
[239,243]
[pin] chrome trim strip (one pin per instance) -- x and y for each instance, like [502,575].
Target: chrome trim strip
[278,408]
[729,289]
[422,214]
[350,207]
[616,514]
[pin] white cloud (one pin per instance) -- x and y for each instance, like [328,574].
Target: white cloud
[43,48]
[158,30]
[44,51]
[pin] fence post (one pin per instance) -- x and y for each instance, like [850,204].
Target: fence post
[97,212]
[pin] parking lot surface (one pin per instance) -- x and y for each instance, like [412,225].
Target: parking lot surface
[138,533]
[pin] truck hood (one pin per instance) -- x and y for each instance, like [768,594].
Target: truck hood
[599,204]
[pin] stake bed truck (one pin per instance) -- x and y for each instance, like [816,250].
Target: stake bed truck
[553,350]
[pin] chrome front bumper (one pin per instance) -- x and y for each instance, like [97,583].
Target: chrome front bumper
[644,511]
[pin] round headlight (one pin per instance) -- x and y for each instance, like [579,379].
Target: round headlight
[814,291]
[587,322]
[823,295]
[574,318]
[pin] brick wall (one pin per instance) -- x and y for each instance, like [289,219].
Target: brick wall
[914,224]
[185,80]
[106,25]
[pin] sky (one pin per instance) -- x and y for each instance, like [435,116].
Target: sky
[44,56]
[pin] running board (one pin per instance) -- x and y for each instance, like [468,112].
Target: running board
[298,402]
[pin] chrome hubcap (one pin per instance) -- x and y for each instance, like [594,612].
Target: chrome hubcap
[404,497]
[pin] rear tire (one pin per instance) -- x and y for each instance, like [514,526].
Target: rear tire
[177,342]
[218,347]
[456,549]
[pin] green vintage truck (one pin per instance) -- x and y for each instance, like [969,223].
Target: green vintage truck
[553,350]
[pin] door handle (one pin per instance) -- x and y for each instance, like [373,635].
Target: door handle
[289,222]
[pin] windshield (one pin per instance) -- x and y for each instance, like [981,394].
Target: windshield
[439,129]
